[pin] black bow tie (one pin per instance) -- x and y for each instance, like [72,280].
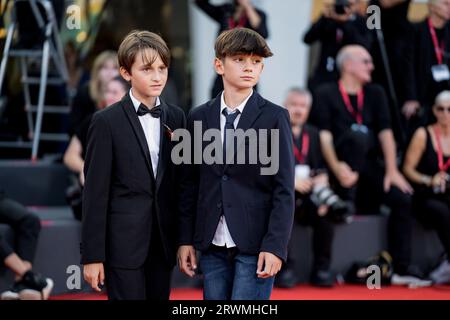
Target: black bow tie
[155,112]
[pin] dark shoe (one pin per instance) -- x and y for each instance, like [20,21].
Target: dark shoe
[323,278]
[35,287]
[286,278]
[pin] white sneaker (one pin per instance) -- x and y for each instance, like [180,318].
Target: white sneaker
[410,281]
[12,293]
[441,274]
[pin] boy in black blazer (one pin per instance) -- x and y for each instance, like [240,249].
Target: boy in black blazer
[129,211]
[239,217]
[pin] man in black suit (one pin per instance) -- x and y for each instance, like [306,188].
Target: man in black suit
[236,215]
[129,200]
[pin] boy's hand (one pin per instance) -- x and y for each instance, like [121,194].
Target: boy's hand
[94,274]
[187,260]
[271,264]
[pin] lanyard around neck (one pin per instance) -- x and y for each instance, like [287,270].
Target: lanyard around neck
[301,155]
[357,114]
[438,49]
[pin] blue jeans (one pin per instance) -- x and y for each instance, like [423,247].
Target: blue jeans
[232,276]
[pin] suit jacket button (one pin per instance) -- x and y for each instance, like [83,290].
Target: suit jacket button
[225,177]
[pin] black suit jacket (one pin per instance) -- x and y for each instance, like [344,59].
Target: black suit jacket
[258,208]
[121,195]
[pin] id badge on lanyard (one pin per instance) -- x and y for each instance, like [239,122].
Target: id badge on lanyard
[357,114]
[302,171]
[440,72]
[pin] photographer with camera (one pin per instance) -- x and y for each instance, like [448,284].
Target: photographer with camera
[359,147]
[234,14]
[339,25]
[427,166]
[316,203]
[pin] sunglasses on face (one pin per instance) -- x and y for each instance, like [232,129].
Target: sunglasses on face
[442,109]
[366,61]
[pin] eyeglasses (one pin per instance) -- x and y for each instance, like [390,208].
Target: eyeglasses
[442,109]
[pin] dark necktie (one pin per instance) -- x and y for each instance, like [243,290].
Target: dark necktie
[155,112]
[229,124]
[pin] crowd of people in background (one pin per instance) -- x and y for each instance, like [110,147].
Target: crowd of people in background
[366,108]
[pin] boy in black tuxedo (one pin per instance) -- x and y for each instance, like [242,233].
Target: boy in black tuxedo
[236,215]
[129,211]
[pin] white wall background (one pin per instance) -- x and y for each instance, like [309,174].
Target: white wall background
[287,21]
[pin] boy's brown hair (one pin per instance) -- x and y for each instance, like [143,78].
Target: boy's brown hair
[136,42]
[241,41]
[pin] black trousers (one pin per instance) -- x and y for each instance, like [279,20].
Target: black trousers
[370,195]
[323,234]
[26,228]
[434,213]
[149,282]
[353,148]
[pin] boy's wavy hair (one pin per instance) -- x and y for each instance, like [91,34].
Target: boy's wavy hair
[136,42]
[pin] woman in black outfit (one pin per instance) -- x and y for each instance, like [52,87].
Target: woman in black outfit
[89,95]
[427,165]
[74,155]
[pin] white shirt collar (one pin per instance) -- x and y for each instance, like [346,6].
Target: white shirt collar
[240,107]
[137,103]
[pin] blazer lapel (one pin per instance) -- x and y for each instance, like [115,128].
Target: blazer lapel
[213,122]
[164,143]
[249,115]
[129,110]
[251,111]
[213,114]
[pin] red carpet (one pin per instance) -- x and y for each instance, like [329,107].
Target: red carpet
[305,292]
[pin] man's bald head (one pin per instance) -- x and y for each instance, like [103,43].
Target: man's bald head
[356,61]
[440,8]
[348,53]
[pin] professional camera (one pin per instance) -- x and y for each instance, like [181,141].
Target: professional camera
[340,6]
[339,211]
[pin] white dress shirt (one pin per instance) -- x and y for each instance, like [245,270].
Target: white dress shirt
[151,127]
[222,237]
